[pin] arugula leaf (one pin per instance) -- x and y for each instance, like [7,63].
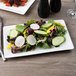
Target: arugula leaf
[20,28]
[30,22]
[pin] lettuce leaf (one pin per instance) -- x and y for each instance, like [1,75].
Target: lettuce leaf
[30,22]
[20,28]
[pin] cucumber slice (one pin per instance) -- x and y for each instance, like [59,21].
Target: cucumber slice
[57,41]
[47,25]
[13,33]
[43,33]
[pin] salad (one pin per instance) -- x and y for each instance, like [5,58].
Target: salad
[33,34]
[14,3]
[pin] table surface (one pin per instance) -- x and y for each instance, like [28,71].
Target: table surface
[52,64]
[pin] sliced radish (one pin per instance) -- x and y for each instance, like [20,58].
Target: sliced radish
[35,26]
[31,40]
[20,40]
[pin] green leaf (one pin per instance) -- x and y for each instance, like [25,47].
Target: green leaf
[20,28]
[50,21]
[46,46]
[26,47]
[41,41]
[30,22]
[61,31]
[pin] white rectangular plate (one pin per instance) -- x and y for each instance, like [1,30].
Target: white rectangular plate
[20,10]
[67,45]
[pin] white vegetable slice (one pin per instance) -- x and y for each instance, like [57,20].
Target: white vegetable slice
[31,40]
[34,26]
[20,40]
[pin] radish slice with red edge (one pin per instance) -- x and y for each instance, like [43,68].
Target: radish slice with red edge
[35,26]
[31,40]
[19,42]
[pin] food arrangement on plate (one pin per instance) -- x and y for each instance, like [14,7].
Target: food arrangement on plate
[15,3]
[33,34]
